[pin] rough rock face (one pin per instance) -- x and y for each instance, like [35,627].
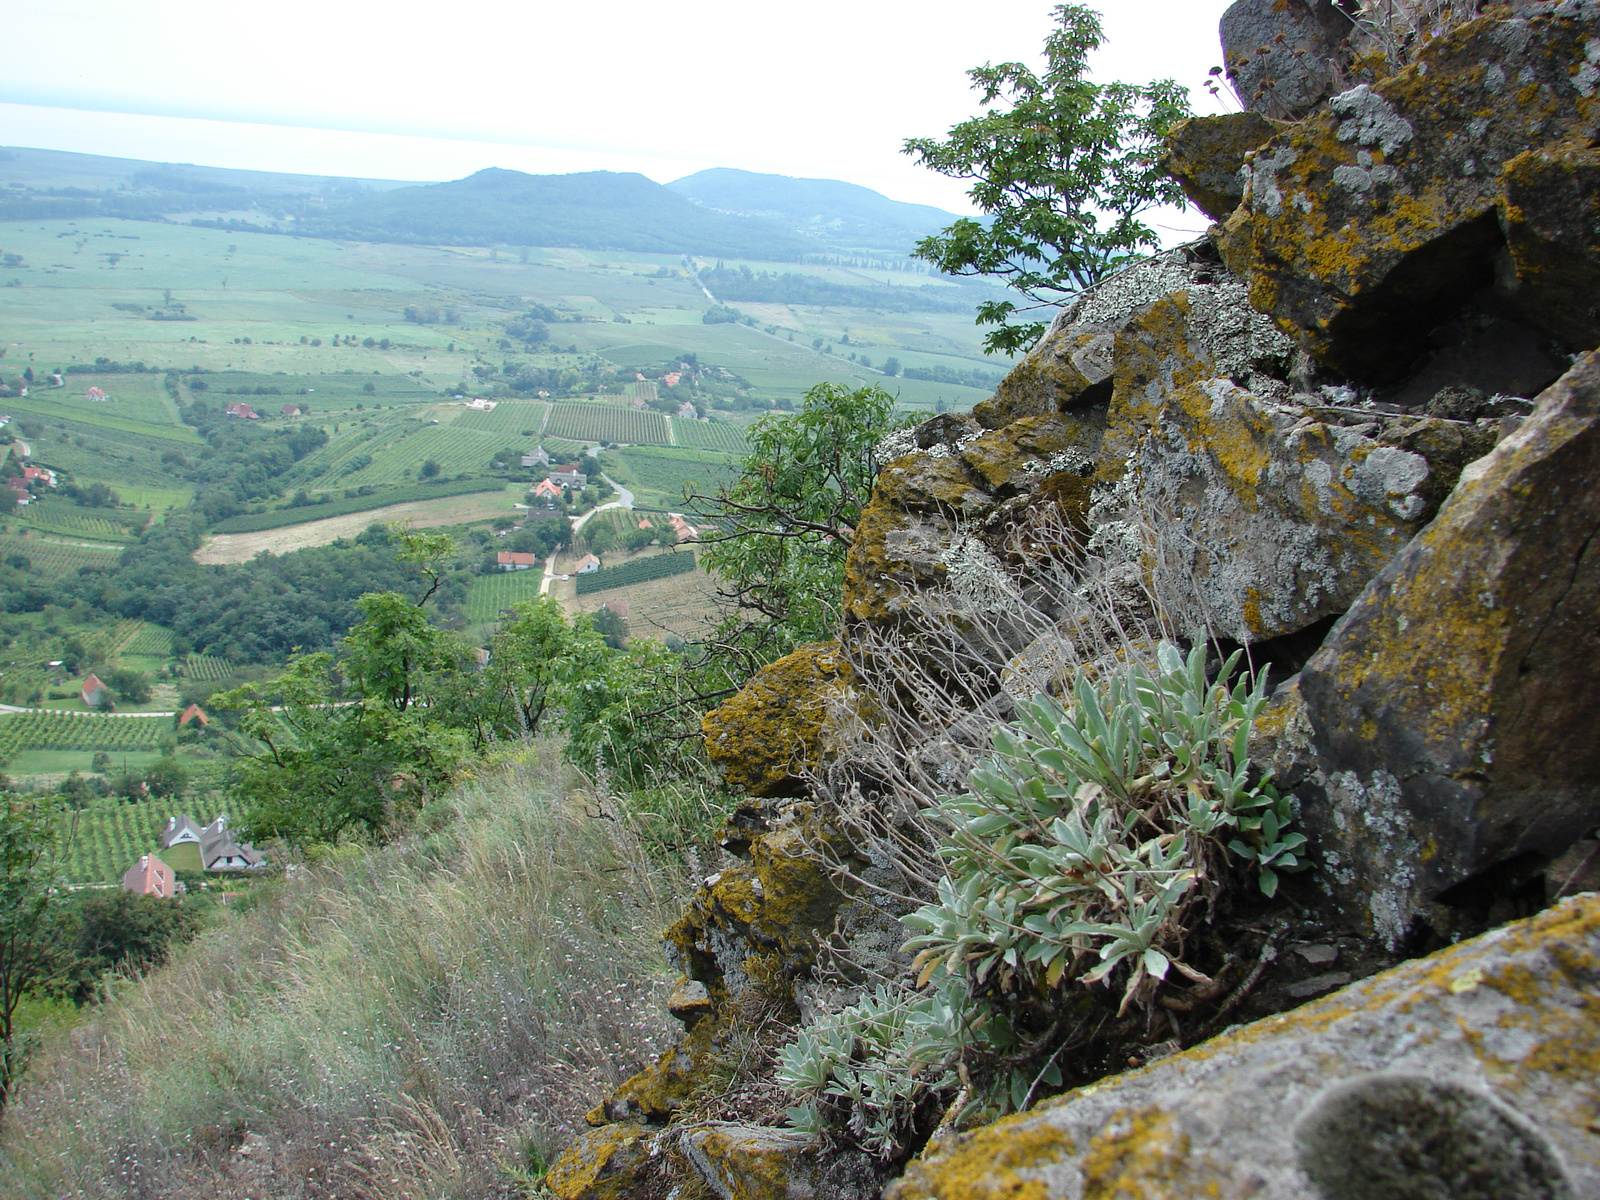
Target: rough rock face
[758,921]
[1206,156]
[770,732]
[1280,55]
[1071,365]
[1367,224]
[1454,705]
[1550,213]
[1281,519]
[1466,1074]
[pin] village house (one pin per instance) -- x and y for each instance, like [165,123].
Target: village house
[569,477]
[20,490]
[42,474]
[684,530]
[193,713]
[688,412]
[510,560]
[218,851]
[671,379]
[95,393]
[290,410]
[539,458]
[587,565]
[243,411]
[94,693]
[151,877]
[548,489]
[480,405]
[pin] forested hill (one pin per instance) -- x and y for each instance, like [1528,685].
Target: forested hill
[596,210]
[832,211]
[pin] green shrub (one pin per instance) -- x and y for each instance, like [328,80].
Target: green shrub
[1081,852]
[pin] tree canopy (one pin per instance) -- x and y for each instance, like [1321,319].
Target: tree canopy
[1064,168]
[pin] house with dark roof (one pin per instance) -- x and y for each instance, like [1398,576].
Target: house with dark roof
[151,877]
[216,846]
[539,458]
[569,477]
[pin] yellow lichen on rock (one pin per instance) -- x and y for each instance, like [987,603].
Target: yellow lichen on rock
[1455,701]
[768,735]
[1510,1016]
[1366,224]
[600,1165]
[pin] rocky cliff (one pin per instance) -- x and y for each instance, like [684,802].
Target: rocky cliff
[1354,434]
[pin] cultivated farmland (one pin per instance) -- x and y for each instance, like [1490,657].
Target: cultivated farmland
[492,593]
[52,559]
[636,570]
[607,423]
[109,837]
[207,668]
[57,516]
[510,418]
[710,435]
[78,731]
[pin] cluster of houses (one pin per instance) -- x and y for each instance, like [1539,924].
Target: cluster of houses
[511,560]
[22,485]
[192,847]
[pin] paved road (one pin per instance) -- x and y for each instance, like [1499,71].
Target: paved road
[624,500]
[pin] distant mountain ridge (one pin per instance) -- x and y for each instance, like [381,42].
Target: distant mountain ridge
[597,210]
[828,210]
[722,212]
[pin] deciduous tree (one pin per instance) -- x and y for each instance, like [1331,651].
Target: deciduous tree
[1065,170]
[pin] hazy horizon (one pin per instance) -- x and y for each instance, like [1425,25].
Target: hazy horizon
[324,90]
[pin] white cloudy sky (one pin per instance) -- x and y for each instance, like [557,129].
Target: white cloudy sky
[410,90]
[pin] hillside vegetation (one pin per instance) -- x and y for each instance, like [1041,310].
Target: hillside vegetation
[427,1019]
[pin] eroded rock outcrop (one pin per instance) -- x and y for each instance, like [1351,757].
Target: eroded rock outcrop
[1364,226]
[1189,451]
[1465,1074]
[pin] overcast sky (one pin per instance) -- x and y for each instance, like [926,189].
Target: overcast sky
[406,90]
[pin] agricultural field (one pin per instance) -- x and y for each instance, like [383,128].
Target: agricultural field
[109,836]
[79,731]
[50,557]
[152,641]
[491,594]
[57,405]
[399,452]
[710,435]
[657,475]
[423,514]
[682,605]
[206,668]
[600,422]
[65,518]
[636,570]
[510,419]
[380,498]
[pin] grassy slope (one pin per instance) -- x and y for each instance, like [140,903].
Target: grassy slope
[390,1024]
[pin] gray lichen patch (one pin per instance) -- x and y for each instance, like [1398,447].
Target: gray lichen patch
[1408,1137]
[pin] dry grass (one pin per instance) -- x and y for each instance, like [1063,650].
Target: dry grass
[1398,29]
[415,1023]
